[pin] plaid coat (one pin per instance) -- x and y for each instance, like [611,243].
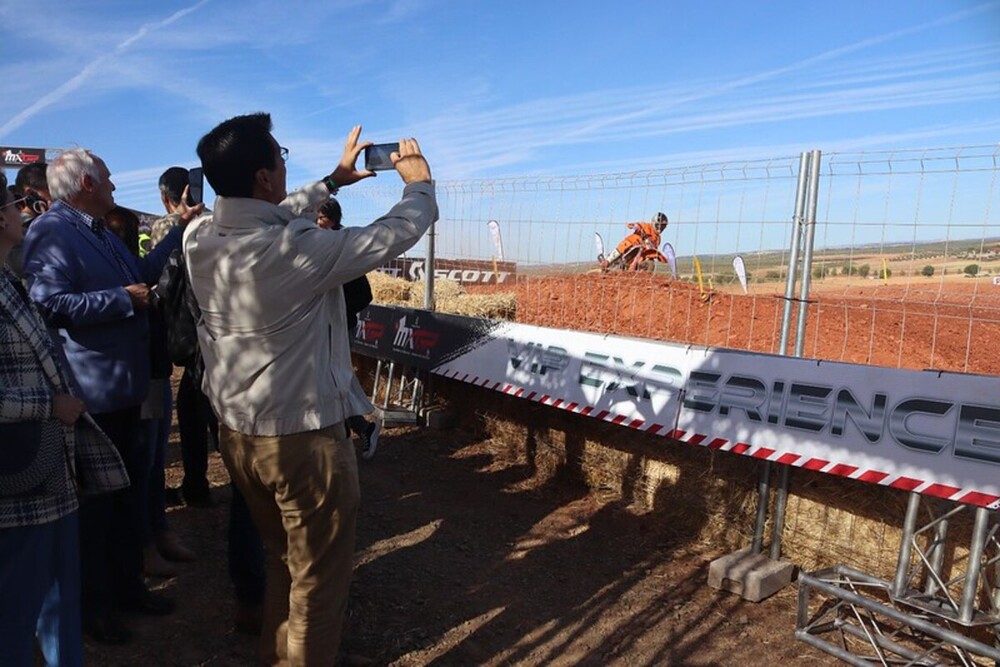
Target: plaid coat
[30,374]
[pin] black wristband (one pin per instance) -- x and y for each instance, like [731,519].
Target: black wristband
[331,185]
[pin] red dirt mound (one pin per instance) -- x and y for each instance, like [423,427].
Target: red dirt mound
[951,326]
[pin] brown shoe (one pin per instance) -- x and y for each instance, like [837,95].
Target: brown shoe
[154,565]
[171,548]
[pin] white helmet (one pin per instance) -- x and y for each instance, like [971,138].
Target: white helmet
[660,221]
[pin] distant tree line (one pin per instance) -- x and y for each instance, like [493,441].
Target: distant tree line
[818,273]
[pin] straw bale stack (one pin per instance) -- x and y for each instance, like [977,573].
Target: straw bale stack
[502,306]
[444,290]
[387,290]
[449,297]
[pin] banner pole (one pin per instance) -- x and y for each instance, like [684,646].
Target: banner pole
[429,271]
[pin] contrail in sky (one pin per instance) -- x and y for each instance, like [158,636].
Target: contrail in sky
[797,65]
[91,68]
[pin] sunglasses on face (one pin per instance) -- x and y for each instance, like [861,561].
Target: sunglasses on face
[10,200]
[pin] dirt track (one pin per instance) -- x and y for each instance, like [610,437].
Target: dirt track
[945,325]
[461,560]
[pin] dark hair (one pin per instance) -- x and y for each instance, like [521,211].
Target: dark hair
[172,183]
[32,176]
[124,223]
[331,209]
[233,152]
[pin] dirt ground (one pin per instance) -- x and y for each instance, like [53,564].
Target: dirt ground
[461,561]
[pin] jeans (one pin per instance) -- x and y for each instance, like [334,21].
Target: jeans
[302,490]
[154,435]
[246,552]
[197,424]
[111,524]
[40,593]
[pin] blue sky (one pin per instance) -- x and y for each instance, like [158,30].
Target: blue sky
[494,89]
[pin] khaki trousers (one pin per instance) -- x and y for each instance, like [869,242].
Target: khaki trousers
[303,493]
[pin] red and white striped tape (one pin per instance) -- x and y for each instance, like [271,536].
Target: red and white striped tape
[746,449]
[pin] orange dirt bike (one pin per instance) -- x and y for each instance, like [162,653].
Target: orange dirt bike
[637,252]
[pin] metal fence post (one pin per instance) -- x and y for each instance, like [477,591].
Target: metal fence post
[429,269]
[805,194]
[793,257]
[763,493]
[779,511]
[808,238]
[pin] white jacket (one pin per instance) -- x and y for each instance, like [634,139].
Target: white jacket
[273,331]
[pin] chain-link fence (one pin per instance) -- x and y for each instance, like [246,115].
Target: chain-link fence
[902,273]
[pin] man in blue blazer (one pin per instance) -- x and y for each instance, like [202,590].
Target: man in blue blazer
[95,294]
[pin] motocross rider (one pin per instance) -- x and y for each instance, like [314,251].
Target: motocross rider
[645,238]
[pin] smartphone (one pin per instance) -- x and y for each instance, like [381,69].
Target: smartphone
[196,186]
[377,156]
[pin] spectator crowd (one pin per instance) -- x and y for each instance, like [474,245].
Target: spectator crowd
[254,300]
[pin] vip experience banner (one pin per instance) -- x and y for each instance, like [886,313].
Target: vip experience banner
[931,432]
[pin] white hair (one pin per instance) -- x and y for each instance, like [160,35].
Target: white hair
[65,173]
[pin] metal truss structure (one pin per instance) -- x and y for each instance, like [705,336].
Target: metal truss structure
[402,395]
[924,616]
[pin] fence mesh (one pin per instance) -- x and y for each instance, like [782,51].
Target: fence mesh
[906,252]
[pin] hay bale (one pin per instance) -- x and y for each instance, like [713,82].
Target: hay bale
[387,290]
[444,290]
[449,297]
[490,306]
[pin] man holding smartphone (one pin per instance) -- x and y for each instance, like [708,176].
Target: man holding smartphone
[176,197]
[274,338]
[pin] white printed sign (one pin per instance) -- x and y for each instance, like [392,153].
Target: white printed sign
[931,432]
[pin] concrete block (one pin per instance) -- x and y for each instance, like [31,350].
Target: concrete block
[751,576]
[439,418]
[395,416]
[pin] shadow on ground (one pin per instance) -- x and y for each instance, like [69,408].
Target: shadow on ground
[463,560]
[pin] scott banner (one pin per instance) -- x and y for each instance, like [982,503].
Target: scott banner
[462,271]
[931,432]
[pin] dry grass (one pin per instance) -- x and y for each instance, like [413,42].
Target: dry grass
[489,306]
[388,290]
[449,297]
[443,291]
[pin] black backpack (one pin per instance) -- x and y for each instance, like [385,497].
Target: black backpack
[180,311]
